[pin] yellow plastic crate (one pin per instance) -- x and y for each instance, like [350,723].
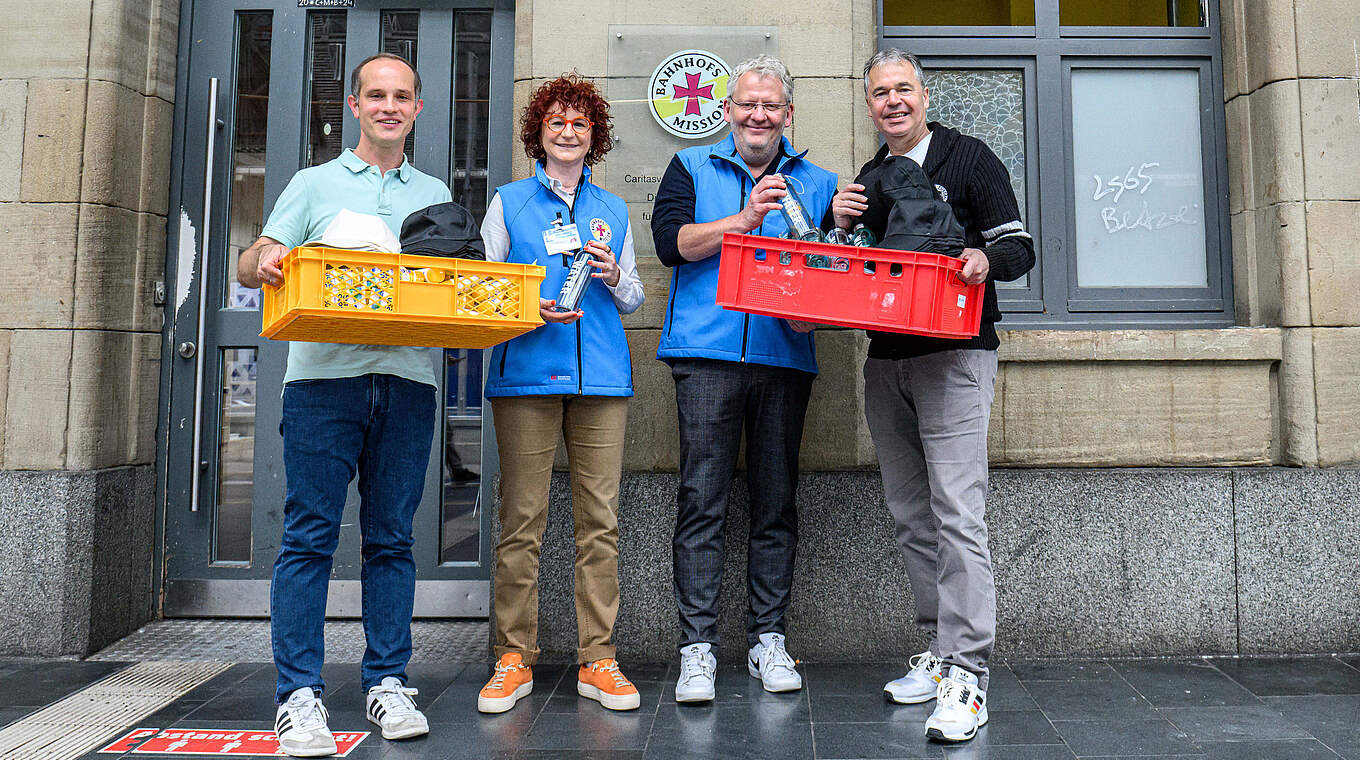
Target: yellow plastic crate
[330,295]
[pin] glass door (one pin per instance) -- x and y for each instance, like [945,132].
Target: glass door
[262,89]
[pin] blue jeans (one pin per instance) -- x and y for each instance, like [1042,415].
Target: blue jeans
[715,400]
[379,426]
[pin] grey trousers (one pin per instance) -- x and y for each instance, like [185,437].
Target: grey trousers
[928,417]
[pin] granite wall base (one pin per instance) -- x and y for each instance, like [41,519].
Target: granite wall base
[1298,560]
[1088,562]
[78,558]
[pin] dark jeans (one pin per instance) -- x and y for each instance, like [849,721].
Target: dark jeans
[379,426]
[715,399]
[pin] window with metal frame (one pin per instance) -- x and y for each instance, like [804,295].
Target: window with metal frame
[1109,116]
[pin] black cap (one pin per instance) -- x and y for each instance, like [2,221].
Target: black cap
[904,203]
[444,229]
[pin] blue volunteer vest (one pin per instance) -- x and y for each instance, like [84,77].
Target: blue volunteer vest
[695,326]
[589,357]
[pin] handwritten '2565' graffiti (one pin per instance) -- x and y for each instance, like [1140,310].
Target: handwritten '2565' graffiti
[1137,179]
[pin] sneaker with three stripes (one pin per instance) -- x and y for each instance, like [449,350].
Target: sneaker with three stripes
[960,707]
[920,683]
[300,726]
[391,707]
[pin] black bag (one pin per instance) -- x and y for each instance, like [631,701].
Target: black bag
[904,203]
[444,229]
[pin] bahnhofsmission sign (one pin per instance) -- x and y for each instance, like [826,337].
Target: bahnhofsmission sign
[686,93]
[659,75]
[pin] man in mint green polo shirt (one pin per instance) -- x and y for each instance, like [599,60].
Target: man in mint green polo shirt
[347,410]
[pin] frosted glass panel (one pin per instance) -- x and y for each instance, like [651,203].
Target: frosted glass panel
[254,35]
[400,35]
[471,109]
[1139,178]
[988,104]
[326,76]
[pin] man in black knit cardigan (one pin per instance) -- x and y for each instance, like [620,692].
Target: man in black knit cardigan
[928,402]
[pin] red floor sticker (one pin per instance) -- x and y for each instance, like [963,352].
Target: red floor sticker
[213,741]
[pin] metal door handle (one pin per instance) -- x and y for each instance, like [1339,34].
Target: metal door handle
[203,253]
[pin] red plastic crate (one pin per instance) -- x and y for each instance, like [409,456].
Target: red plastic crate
[873,288]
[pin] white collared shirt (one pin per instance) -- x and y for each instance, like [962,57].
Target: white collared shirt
[918,153]
[628,295]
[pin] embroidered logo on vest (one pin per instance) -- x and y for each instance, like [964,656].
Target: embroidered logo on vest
[599,229]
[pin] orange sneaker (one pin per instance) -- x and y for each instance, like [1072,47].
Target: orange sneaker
[603,682]
[511,681]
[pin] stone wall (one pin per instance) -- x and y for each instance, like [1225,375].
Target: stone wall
[77,570]
[86,104]
[1108,562]
[1291,82]
[1131,550]
[86,110]
[1255,394]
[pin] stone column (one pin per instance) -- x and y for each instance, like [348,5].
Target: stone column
[1292,85]
[86,109]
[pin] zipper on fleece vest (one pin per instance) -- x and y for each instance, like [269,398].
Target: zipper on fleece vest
[580,387]
[670,306]
[746,318]
[741,203]
[571,219]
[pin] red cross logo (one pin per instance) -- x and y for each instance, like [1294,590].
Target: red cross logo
[692,92]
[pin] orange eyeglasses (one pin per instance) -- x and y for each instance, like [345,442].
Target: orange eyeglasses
[556,122]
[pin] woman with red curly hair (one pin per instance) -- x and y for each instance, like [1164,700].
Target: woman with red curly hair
[572,376]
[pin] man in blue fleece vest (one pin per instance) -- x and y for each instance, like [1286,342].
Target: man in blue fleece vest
[734,370]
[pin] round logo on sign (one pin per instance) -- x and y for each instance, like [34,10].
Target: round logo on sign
[599,229]
[687,91]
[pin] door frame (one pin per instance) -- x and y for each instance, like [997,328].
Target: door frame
[442,590]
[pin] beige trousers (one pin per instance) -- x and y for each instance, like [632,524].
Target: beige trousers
[526,436]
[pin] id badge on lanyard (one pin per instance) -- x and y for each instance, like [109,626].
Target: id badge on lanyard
[562,239]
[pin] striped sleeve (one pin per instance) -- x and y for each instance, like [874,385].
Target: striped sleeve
[1009,248]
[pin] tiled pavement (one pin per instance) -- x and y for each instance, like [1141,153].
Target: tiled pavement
[1236,709]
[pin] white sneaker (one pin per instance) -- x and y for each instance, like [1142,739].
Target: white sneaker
[771,663]
[390,706]
[300,726]
[960,708]
[920,683]
[698,667]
